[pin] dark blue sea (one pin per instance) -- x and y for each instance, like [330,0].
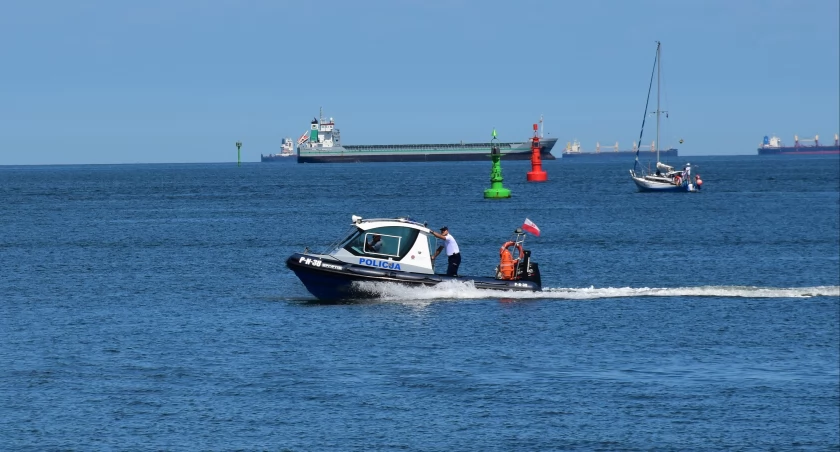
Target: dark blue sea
[148,307]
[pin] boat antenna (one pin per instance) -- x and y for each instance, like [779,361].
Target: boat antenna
[647,102]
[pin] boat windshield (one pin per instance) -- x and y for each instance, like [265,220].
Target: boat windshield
[347,237]
[384,242]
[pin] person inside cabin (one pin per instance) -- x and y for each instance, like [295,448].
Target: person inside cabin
[374,245]
[452,251]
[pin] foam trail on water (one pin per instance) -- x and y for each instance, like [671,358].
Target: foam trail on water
[465,290]
[701,291]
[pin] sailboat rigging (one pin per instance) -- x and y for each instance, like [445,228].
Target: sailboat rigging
[665,178]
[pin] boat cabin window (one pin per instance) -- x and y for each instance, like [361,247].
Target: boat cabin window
[384,242]
[432,244]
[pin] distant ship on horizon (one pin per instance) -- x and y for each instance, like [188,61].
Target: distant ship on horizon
[287,149]
[574,151]
[322,144]
[774,146]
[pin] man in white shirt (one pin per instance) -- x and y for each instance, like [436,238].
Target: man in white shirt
[452,251]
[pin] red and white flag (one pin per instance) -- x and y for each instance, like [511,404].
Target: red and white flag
[529,226]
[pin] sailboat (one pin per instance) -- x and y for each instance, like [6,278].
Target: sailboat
[665,178]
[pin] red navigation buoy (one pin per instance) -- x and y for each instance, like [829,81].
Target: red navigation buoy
[536,174]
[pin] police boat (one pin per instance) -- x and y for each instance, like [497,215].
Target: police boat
[404,257]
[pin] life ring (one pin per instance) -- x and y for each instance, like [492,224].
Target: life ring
[678,180]
[509,244]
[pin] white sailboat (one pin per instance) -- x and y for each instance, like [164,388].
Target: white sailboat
[665,178]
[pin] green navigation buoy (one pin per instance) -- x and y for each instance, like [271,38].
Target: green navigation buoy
[238,154]
[496,190]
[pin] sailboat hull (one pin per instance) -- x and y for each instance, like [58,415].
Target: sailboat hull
[649,185]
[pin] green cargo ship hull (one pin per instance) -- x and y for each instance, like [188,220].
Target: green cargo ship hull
[422,152]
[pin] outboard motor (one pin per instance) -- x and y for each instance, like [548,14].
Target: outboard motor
[528,271]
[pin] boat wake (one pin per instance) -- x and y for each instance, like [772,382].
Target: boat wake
[465,290]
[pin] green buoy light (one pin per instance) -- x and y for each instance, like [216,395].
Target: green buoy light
[496,189]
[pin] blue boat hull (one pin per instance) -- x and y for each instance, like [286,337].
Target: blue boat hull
[800,150]
[335,280]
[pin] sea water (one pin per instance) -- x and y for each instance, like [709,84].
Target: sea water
[149,307]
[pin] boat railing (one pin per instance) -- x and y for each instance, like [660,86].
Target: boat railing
[396,220]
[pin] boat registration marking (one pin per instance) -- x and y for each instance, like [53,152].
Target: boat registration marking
[318,263]
[310,261]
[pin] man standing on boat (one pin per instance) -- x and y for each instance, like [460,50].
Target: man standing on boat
[452,250]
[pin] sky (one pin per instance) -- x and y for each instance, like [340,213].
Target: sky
[161,81]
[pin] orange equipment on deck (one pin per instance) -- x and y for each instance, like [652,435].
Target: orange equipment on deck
[507,264]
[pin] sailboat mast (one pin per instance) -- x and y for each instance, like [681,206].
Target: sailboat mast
[658,69]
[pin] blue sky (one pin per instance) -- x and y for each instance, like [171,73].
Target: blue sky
[102,81]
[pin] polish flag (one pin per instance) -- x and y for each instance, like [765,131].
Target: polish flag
[529,226]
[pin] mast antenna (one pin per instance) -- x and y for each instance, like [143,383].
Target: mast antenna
[658,71]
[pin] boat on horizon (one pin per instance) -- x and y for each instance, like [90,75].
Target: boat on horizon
[404,257]
[574,151]
[774,146]
[287,149]
[665,178]
[322,144]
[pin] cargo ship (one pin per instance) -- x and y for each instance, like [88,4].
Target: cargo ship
[774,146]
[573,151]
[322,144]
[287,149]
